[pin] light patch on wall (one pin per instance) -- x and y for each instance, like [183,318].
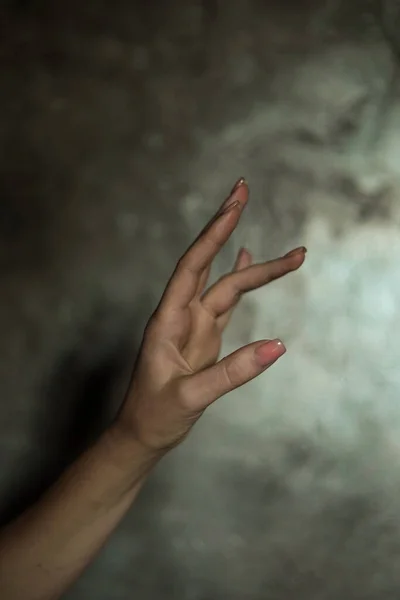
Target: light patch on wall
[342,352]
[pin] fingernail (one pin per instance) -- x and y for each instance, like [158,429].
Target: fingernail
[269,352]
[237,185]
[230,207]
[301,250]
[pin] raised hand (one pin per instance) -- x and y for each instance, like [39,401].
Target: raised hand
[177,374]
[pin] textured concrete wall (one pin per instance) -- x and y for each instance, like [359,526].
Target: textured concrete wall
[122,127]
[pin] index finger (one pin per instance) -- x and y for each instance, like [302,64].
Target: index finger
[184,283]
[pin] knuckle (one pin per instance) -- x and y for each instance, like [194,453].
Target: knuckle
[275,269]
[230,373]
[214,240]
[185,263]
[236,293]
[231,284]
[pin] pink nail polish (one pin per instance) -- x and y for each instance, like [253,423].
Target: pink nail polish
[269,352]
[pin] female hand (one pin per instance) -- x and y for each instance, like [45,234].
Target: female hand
[177,376]
[174,380]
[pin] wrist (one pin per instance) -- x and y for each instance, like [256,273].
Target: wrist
[128,455]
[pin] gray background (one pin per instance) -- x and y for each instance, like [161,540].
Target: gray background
[123,125]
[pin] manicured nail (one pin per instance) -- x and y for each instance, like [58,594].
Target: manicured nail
[230,207]
[269,352]
[301,250]
[237,185]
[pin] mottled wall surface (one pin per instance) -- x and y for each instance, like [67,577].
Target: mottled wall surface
[122,127]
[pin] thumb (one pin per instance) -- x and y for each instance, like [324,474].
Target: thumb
[232,372]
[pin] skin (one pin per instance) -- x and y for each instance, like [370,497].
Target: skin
[176,377]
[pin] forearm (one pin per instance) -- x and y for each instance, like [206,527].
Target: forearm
[44,551]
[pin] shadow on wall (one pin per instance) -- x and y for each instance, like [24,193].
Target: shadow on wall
[81,396]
